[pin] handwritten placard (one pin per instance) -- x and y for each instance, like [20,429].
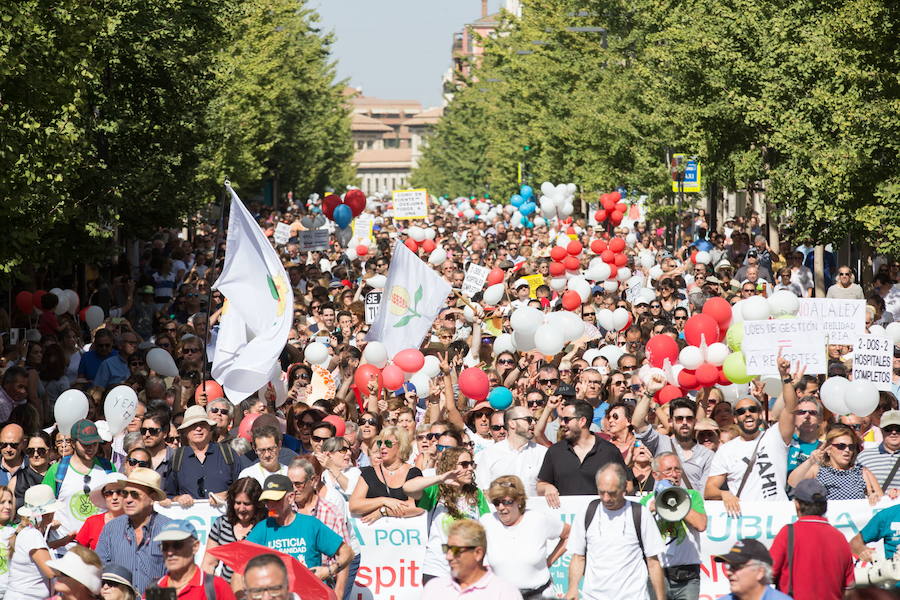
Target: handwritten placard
[476,275]
[282,233]
[842,321]
[314,239]
[797,340]
[373,304]
[873,357]
[410,204]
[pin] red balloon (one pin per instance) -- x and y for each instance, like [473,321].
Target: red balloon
[701,325]
[409,360]
[719,309]
[428,246]
[608,203]
[246,425]
[392,377]
[661,347]
[558,253]
[722,379]
[574,248]
[496,276]
[571,300]
[571,263]
[620,260]
[707,375]
[557,269]
[616,244]
[82,314]
[329,203]
[600,215]
[687,379]
[616,217]
[571,231]
[411,244]
[362,250]
[608,256]
[694,257]
[621,207]
[213,391]
[613,270]
[36,299]
[340,428]
[24,302]
[598,246]
[364,374]
[667,394]
[356,200]
[474,384]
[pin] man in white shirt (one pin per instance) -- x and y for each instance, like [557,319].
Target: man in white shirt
[624,545]
[755,464]
[517,455]
[844,288]
[267,445]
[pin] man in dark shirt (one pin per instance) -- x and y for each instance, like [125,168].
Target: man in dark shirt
[201,468]
[101,349]
[570,465]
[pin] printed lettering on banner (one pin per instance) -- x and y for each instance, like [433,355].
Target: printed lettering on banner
[373,304]
[393,551]
[362,226]
[313,239]
[410,204]
[796,339]
[476,275]
[873,357]
[534,282]
[282,234]
[841,321]
[201,515]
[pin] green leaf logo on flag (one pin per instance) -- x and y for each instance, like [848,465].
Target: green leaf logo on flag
[399,304]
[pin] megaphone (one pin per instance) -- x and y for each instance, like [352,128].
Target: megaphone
[672,503]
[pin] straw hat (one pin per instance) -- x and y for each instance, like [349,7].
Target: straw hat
[145,478]
[96,494]
[72,566]
[193,415]
[39,500]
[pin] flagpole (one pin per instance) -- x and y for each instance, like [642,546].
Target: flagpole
[219,234]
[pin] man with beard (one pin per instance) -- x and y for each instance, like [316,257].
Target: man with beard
[755,464]
[695,458]
[569,465]
[517,455]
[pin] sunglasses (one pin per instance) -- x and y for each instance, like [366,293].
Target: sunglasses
[368,422]
[87,485]
[319,439]
[218,411]
[36,451]
[4,445]
[344,449]
[684,419]
[434,436]
[496,427]
[548,381]
[506,361]
[751,409]
[891,430]
[684,318]
[535,403]
[503,501]
[135,462]
[810,412]
[385,443]
[656,306]
[189,350]
[529,419]
[110,493]
[842,446]
[456,550]
[466,464]
[150,430]
[133,494]
[565,420]
[171,439]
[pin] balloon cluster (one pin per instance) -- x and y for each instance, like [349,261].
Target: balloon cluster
[613,208]
[533,330]
[360,250]
[557,201]
[342,211]
[523,207]
[844,397]
[419,239]
[607,268]
[28,302]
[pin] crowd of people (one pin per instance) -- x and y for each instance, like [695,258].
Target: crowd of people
[80,509]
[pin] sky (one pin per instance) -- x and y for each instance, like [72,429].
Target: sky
[396,49]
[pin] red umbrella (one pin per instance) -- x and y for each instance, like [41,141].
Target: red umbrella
[301,580]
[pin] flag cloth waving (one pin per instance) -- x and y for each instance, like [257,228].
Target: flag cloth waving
[258,311]
[414,294]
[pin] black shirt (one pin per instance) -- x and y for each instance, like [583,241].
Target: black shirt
[378,489]
[198,479]
[573,477]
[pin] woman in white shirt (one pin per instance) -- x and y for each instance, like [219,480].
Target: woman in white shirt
[518,539]
[29,570]
[7,530]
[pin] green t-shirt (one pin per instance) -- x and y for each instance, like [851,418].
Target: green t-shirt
[676,530]
[432,494]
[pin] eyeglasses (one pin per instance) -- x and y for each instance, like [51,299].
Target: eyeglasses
[810,412]
[506,361]
[548,381]
[535,403]
[150,430]
[496,427]
[269,450]
[4,445]
[841,446]
[752,409]
[110,493]
[529,419]
[274,592]
[217,411]
[385,443]
[684,418]
[456,550]
[466,464]
[300,484]
[136,462]
[36,451]
[504,501]
[319,439]
[368,422]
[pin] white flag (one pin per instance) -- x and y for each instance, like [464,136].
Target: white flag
[413,296]
[258,311]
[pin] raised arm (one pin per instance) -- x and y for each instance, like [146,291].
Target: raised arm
[789,394]
[653,385]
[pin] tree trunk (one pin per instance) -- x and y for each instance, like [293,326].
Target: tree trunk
[774,240]
[819,274]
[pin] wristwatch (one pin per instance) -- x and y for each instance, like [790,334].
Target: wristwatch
[383,511]
[787,380]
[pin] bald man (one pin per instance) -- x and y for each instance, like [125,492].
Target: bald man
[12,458]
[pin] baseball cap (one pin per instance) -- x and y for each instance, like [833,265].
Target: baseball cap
[175,531]
[641,300]
[566,390]
[275,487]
[706,425]
[744,551]
[890,417]
[85,431]
[808,489]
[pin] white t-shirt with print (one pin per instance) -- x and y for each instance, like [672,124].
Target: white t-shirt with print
[25,578]
[257,472]
[77,505]
[769,474]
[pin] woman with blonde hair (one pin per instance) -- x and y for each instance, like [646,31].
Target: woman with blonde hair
[833,464]
[7,530]
[519,539]
[380,489]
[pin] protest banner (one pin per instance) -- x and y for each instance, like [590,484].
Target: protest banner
[282,234]
[842,321]
[393,551]
[534,282]
[313,239]
[873,357]
[410,204]
[362,226]
[796,339]
[476,275]
[373,304]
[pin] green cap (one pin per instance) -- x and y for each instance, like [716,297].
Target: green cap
[85,431]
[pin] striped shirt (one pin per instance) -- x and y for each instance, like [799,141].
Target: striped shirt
[881,463]
[145,560]
[222,532]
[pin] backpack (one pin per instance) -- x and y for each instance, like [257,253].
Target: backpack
[635,515]
[63,468]
[225,447]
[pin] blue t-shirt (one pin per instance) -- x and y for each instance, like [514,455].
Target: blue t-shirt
[599,413]
[770,594]
[306,538]
[799,451]
[884,525]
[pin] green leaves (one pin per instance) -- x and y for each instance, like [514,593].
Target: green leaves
[403,321]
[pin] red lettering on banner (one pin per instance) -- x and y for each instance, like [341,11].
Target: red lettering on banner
[403,575]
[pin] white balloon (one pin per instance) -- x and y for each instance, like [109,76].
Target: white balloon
[422,382]
[702,258]
[655,272]
[71,406]
[375,354]
[524,341]
[416,233]
[690,357]
[783,303]
[469,214]
[893,332]
[351,253]
[559,201]
[572,325]
[469,314]
[558,284]
[717,353]
[93,316]
[430,233]
[834,395]
[526,319]
[547,205]
[772,384]
[648,373]
[877,330]
[605,319]
[71,301]
[120,407]
[861,397]
[566,210]
[610,286]
[624,274]
[62,304]
[316,353]
[602,271]
[161,361]
[648,295]
[549,340]
[503,343]
[365,242]
[737,312]
[611,354]
[631,240]
[377,281]
[589,355]
[494,294]
[571,188]
[734,391]
[547,188]
[620,318]
[438,256]
[755,308]
[647,260]
[580,285]
[509,208]
[540,222]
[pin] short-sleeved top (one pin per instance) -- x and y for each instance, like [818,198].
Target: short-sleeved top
[305,538]
[843,485]
[196,588]
[884,526]
[378,489]
[799,451]
[817,575]
[6,531]
[682,541]
[214,474]
[89,534]
[768,476]
[25,579]
[573,477]
[90,362]
[519,552]
[880,462]
[222,532]
[435,562]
